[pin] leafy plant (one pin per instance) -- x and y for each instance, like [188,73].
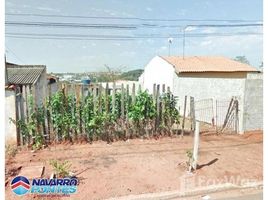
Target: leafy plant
[10,150]
[143,108]
[61,169]
[32,127]
[189,154]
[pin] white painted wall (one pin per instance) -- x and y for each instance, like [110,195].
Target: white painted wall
[41,88]
[157,71]
[10,112]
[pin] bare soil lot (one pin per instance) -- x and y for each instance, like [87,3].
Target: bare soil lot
[145,166]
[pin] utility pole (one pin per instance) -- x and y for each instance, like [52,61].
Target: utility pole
[183,42]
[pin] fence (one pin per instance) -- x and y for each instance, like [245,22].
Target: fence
[92,112]
[223,117]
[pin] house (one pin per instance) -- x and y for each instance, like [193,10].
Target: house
[209,77]
[32,76]
[52,82]
[21,81]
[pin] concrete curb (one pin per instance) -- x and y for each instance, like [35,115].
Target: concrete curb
[197,191]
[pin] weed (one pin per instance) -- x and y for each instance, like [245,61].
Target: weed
[61,169]
[11,150]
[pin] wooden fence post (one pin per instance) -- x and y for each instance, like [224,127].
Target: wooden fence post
[34,108]
[168,89]
[157,107]
[192,111]
[78,103]
[18,115]
[139,90]
[183,119]
[113,98]
[49,112]
[94,98]
[133,95]
[27,109]
[122,102]
[24,105]
[154,93]
[100,98]
[127,99]
[163,105]
[106,98]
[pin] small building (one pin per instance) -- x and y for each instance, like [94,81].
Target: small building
[21,81]
[209,77]
[52,82]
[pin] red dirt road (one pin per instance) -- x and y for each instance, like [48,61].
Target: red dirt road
[146,166]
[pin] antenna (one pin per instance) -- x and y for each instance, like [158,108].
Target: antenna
[169,43]
[183,44]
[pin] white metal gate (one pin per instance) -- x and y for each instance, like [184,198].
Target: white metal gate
[220,114]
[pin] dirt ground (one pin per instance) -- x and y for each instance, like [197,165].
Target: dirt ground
[144,166]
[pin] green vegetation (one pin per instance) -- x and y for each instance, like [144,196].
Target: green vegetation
[10,150]
[242,59]
[93,117]
[189,163]
[106,76]
[132,75]
[61,169]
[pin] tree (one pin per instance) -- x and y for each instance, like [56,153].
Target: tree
[242,59]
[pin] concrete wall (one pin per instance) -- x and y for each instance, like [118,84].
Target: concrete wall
[10,112]
[157,71]
[41,88]
[218,86]
[253,101]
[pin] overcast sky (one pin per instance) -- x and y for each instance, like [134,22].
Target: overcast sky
[80,55]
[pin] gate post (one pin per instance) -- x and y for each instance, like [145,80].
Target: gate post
[196,145]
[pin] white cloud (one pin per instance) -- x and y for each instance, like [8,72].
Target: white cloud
[128,53]
[149,9]
[209,30]
[150,41]
[182,12]
[190,28]
[48,9]
[205,43]
[230,46]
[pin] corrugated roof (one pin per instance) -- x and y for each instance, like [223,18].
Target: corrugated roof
[207,64]
[24,74]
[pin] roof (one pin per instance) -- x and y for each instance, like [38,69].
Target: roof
[207,64]
[24,74]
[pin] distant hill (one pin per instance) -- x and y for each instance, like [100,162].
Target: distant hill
[132,75]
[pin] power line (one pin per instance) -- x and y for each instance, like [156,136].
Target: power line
[71,25]
[130,18]
[223,25]
[131,36]
[119,26]
[122,38]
